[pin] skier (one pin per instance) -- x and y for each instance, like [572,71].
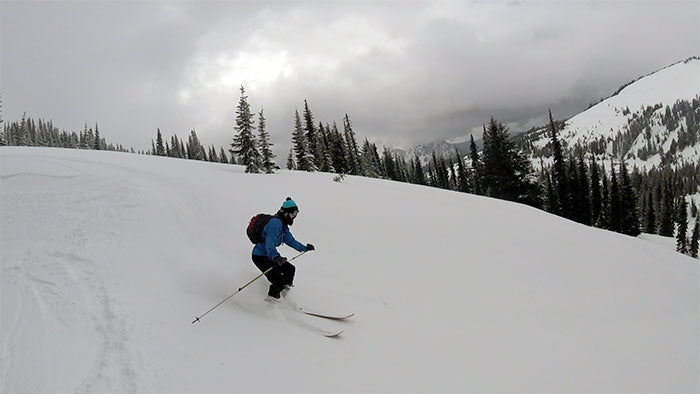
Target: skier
[265,254]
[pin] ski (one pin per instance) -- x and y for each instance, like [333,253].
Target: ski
[311,327]
[332,316]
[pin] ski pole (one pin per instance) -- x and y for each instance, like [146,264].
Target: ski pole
[242,287]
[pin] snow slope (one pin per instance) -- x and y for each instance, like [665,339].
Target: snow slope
[107,257]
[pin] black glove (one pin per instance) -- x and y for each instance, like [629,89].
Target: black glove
[280,260]
[309,247]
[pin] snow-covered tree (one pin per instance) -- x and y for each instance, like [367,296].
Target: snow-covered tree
[305,159]
[160,150]
[268,162]
[244,142]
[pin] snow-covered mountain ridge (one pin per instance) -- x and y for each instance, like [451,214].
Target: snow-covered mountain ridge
[651,121]
[106,258]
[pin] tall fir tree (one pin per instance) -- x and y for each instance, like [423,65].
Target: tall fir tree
[596,197]
[693,248]
[628,203]
[650,216]
[353,159]
[195,150]
[390,170]
[682,231]
[476,166]
[605,201]
[213,157]
[551,197]
[222,156]
[290,160]
[160,150]
[326,163]
[666,214]
[561,184]
[3,139]
[97,137]
[267,157]
[418,171]
[506,172]
[463,177]
[584,209]
[305,159]
[574,185]
[615,206]
[312,136]
[244,142]
[338,151]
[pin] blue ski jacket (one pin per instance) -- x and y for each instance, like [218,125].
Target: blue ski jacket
[274,233]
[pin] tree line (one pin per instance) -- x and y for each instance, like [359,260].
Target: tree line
[587,192]
[622,202]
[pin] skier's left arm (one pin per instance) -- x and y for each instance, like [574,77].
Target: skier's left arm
[289,240]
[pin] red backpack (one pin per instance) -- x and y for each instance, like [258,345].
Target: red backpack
[256,226]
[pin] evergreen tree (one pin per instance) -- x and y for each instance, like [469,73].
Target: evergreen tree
[506,172]
[628,203]
[183,150]
[476,166]
[551,206]
[338,151]
[326,163]
[418,171]
[160,151]
[682,233]
[312,136]
[222,156]
[305,159]
[615,208]
[596,198]
[389,166]
[290,160]
[650,217]
[244,143]
[463,177]
[3,139]
[693,247]
[452,182]
[97,137]
[561,185]
[195,150]
[353,151]
[212,155]
[370,165]
[574,189]
[584,209]
[666,213]
[268,164]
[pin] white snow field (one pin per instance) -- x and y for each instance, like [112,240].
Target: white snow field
[108,257]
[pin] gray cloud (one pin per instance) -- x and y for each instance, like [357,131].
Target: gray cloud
[405,72]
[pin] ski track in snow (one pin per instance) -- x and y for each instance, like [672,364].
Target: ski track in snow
[61,282]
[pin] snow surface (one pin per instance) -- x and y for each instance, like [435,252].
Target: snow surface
[108,257]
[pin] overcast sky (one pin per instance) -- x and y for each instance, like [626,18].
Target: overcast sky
[405,72]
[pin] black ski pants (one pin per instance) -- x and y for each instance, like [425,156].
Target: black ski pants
[279,277]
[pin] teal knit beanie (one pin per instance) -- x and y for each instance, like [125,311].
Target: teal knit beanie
[289,205]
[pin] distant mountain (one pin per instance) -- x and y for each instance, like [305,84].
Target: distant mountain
[648,122]
[441,148]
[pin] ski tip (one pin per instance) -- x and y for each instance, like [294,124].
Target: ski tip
[333,335]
